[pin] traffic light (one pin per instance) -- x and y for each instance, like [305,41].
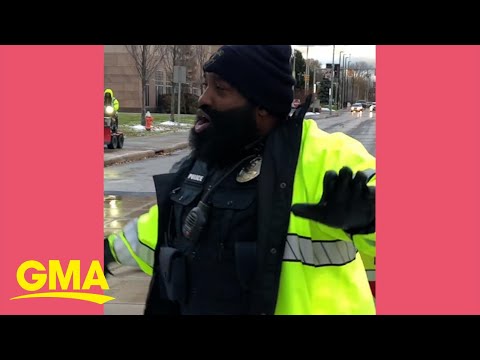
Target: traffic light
[336,68]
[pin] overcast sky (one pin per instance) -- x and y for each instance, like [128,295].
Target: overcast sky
[324,53]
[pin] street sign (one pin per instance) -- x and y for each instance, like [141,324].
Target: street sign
[180,74]
[179,77]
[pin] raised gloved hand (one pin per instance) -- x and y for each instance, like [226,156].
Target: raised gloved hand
[347,203]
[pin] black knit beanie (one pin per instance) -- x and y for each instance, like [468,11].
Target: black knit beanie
[261,73]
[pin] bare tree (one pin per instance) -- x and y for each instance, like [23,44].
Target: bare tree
[201,53]
[176,55]
[361,68]
[314,67]
[146,58]
[361,80]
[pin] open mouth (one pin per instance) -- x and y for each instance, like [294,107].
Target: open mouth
[202,122]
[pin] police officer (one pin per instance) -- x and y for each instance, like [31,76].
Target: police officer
[267,214]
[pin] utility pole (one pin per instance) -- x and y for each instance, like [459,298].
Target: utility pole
[368,85]
[339,86]
[314,88]
[346,66]
[332,78]
[347,82]
[307,75]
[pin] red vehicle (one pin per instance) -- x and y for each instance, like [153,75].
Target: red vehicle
[111,136]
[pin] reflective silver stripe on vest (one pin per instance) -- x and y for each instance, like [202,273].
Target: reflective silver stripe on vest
[319,253]
[123,254]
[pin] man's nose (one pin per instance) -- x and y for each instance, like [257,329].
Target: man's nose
[205,99]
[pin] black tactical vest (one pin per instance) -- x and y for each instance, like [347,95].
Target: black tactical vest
[213,275]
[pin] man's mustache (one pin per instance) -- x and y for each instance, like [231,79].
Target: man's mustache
[201,113]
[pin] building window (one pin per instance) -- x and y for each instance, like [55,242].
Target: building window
[159,77]
[159,91]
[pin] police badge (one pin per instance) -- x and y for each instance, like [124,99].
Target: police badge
[250,171]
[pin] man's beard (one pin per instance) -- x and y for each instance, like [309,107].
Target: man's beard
[227,135]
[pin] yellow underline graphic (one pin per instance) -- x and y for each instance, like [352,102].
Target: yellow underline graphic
[95,298]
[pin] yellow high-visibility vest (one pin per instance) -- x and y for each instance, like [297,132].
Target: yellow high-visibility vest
[322,271]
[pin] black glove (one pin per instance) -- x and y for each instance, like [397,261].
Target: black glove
[347,203]
[107,257]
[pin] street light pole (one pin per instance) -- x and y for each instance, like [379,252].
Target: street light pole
[344,77]
[345,65]
[307,77]
[351,83]
[314,88]
[332,78]
[339,86]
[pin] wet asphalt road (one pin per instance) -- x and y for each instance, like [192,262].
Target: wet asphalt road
[136,177]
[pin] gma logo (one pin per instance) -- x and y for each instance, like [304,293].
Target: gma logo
[94,277]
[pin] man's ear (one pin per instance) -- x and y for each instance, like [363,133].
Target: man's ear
[265,120]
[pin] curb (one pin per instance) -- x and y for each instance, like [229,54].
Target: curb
[143,154]
[137,155]
[179,146]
